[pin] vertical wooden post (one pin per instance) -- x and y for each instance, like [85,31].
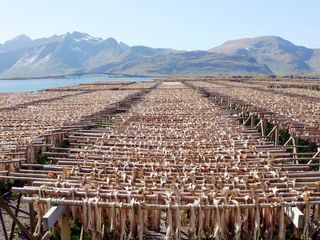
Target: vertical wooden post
[31,214]
[276,136]
[263,127]
[252,121]
[65,225]
[5,234]
[13,226]
[294,149]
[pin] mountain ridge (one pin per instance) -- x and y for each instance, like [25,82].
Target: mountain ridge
[280,55]
[77,52]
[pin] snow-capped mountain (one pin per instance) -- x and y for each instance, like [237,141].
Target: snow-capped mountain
[78,52]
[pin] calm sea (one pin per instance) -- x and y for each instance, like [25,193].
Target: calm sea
[30,85]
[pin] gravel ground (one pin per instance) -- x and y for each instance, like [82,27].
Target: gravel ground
[22,216]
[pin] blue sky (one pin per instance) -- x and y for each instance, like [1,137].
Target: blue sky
[180,24]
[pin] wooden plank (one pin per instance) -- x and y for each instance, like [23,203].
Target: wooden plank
[295,215]
[52,216]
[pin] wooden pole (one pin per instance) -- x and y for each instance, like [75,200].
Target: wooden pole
[31,214]
[165,207]
[294,149]
[287,142]
[263,127]
[252,121]
[276,136]
[313,158]
[246,121]
[16,214]
[4,229]
[46,235]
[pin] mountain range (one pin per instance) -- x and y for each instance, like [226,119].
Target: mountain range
[76,52]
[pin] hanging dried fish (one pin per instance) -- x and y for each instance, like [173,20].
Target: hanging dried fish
[281,227]
[123,232]
[169,224]
[217,220]
[113,217]
[151,155]
[132,218]
[200,219]
[40,214]
[307,219]
[256,233]
[140,222]
[237,223]
[177,233]
[192,230]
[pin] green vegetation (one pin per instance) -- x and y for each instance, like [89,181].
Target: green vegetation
[312,147]
[291,233]
[5,187]
[65,143]
[55,235]
[284,136]
[75,231]
[99,126]
[42,158]
[17,232]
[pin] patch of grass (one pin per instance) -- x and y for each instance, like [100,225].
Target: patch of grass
[65,144]
[42,158]
[99,126]
[75,232]
[5,187]
[17,232]
[312,147]
[290,234]
[269,127]
[284,136]
[55,235]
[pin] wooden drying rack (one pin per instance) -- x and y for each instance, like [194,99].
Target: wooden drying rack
[106,168]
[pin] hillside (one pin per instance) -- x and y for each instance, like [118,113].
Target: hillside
[279,55]
[81,53]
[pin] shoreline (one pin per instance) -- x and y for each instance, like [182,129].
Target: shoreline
[77,76]
[35,85]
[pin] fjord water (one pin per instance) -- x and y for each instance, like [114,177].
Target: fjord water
[30,85]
